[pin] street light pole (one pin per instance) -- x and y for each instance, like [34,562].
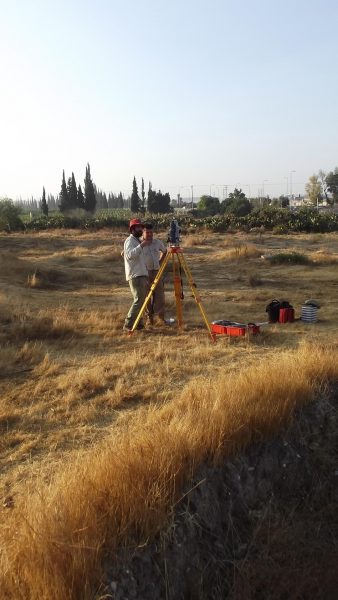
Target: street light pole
[291,184]
[265,180]
[287,185]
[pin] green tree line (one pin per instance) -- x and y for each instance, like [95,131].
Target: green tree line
[320,187]
[91,198]
[157,202]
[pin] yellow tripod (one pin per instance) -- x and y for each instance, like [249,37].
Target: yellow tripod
[175,253]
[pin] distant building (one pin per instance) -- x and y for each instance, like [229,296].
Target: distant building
[297,201]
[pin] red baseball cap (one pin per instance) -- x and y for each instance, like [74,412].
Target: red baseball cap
[134,222]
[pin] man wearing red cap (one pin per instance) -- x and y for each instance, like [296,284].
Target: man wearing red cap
[136,271]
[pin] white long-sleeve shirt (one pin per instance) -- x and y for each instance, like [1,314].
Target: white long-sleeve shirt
[134,263]
[152,254]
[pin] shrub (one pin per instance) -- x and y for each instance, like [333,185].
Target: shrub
[294,258]
[9,216]
[280,220]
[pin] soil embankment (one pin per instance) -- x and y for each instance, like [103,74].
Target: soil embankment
[262,525]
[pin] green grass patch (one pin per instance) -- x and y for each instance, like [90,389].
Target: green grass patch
[290,258]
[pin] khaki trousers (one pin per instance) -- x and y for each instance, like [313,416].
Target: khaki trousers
[138,287]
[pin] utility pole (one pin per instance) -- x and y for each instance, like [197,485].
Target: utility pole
[192,196]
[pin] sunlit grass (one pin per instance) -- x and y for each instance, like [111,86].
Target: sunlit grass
[122,489]
[238,252]
[129,419]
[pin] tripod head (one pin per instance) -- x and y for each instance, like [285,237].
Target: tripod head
[174,234]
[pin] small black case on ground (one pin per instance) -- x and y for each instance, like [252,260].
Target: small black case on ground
[273,310]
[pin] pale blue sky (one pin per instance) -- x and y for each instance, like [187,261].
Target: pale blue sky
[191,92]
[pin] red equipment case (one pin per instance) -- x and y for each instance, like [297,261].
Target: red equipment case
[233,329]
[286,315]
[236,331]
[217,328]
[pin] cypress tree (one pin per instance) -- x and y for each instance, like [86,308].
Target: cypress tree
[51,203]
[151,201]
[89,192]
[135,199]
[158,202]
[72,192]
[44,205]
[104,201]
[143,205]
[163,202]
[80,198]
[120,202]
[69,185]
[63,196]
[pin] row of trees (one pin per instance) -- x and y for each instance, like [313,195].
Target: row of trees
[320,187]
[237,204]
[72,197]
[156,201]
[102,202]
[32,205]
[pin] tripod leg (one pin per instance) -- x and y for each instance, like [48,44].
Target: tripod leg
[178,292]
[150,293]
[195,294]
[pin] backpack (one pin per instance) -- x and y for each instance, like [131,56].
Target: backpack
[273,310]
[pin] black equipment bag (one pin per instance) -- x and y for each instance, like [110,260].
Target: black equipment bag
[285,304]
[273,311]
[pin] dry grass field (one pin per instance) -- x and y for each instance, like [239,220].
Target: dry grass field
[99,430]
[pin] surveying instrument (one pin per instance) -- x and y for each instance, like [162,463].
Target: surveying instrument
[179,264]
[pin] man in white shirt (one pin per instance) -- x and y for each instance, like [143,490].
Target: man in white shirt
[136,271]
[153,256]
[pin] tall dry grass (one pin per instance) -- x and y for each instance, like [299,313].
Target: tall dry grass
[28,324]
[239,251]
[120,492]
